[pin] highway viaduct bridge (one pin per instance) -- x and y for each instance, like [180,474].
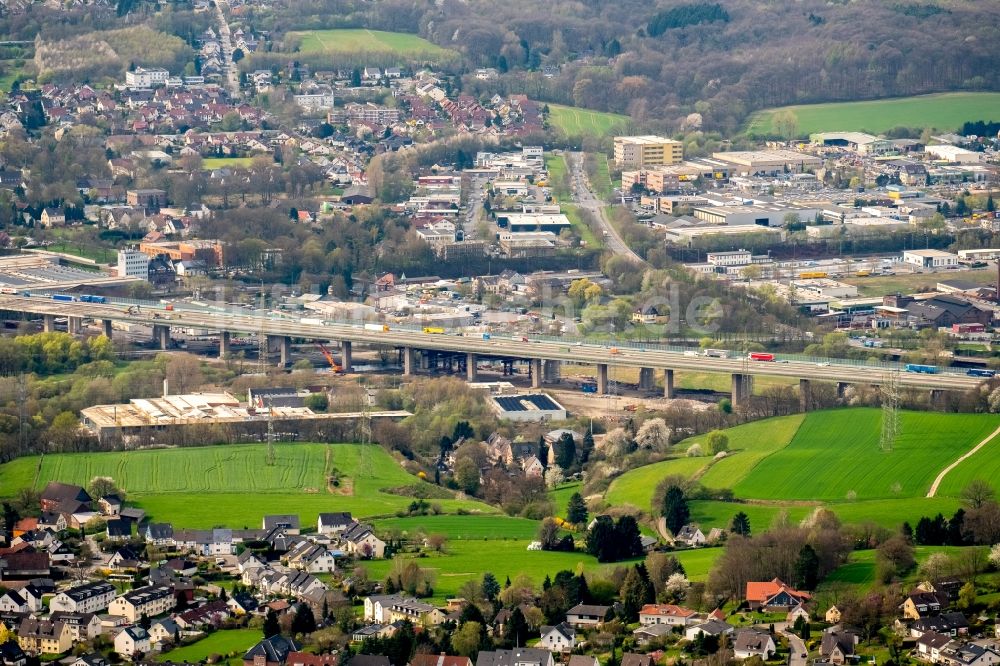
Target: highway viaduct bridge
[543,354]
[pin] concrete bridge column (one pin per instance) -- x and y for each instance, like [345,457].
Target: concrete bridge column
[74,324]
[408,361]
[842,389]
[602,378]
[285,359]
[224,344]
[805,395]
[106,325]
[161,336]
[741,389]
[345,356]
[535,369]
[937,398]
[471,373]
[647,379]
[668,384]
[425,361]
[552,371]
[48,323]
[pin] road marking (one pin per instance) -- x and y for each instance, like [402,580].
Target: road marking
[940,477]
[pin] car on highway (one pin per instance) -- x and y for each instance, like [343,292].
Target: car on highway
[824,364]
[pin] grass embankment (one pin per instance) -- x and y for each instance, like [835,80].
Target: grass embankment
[946,112]
[361,40]
[576,121]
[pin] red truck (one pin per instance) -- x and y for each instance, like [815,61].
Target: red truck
[760,356]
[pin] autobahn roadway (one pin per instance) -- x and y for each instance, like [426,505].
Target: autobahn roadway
[578,352]
[586,198]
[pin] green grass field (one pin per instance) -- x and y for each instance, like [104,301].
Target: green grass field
[556,166]
[585,233]
[636,486]
[984,464]
[464,561]
[560,496]
[574,121]
[464,527]
[906,283]
[601,181]
[210,163]
[232,485]
[837,452]
[220,642]
[749,444]
[99,254]
[360,40]
[944,112]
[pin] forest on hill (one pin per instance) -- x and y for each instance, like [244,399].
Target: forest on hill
[660,63]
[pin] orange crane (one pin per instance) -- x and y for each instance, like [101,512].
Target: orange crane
[334,366]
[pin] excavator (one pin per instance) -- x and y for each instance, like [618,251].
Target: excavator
[334,366]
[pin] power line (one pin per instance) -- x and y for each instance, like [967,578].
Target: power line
[889,391]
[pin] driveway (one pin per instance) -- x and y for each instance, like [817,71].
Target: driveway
[796,644]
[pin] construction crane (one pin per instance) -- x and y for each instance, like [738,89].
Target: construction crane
[334,366]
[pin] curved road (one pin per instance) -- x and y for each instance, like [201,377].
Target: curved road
[586,198]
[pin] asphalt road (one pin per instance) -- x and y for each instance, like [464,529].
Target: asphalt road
[586,199]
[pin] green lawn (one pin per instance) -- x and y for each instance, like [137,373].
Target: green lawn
[836,452]
[219,162]
[944,112]
[556,166]
[463,527]
[574,121]
[468,560]
[585,233]
[749,444]
[99,254]
[232,485]
[906,283]
[354,41]
[220,642]
[562,494]
[860,568]
[636,486]
[601,181]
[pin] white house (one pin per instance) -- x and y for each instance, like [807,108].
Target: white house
[333,523]
[930,258]
[86,598]
[149,601]
[132,640]
[667,614]
[12,602]
[750,643]
[558,638]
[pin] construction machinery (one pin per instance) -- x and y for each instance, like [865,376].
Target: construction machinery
[334,366]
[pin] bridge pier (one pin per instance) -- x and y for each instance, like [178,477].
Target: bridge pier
[345,356]
[285,346]
[742,386]
[74,325]
[647,379]
[552,371]
[408,361]
[224,344]
[668,384]
[602,378]
[842,390]
[471,373]
[937,397]
[805,395]
[48,323]
[535,370]
[106,326]
[161,336]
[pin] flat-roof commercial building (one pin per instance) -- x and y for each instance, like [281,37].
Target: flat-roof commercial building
[858,142]
[527,407]
[686,236]
[648,150]
[930,258]
[764,216]
[769,162]
[954,154]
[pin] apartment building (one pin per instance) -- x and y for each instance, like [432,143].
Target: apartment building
[150,601]
[86,598]
[649,150]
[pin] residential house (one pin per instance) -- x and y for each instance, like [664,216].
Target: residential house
[82,626]
[307,556]
[360,540]
[636,659]
[165,630]
[971,654]
[920,604]
[241,604]
[586,615]
[210,613]
[798,612]
[667,614]
[111,505]
[11,654]
[417,612]
[931,645]
[35,591]
[773,595]
[12,602]
[150,601]
[515,657]
[64,498]
[377,606]
[753,643]
[439,660]
[119,529]
[691,535]
[558,638]
[52,520]
[92,659]
[160,534]
[307,659]
[837,646]
[271,651]
[288,522]
[124,559]
[833,615]
[583,660]
[44,637]
[709,628]
[22,564]
[650,632]
[53,217]
[333,523]
[132,641]
[952,624]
